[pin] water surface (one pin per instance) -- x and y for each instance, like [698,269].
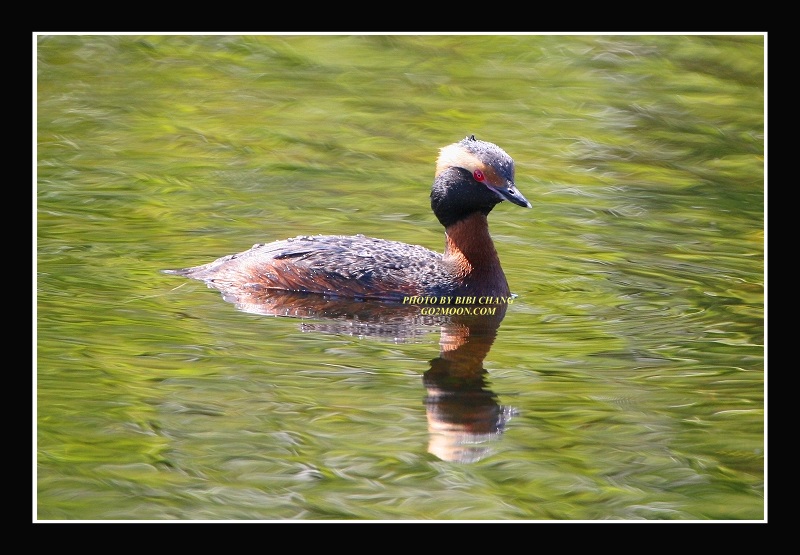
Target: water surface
[625,381]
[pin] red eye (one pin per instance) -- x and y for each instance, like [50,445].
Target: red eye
[478,175]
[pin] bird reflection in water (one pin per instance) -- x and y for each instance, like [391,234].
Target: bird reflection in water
[464,416]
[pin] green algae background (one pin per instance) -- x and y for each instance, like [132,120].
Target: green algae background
[633,356]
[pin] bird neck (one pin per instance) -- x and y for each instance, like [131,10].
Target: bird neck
[470,251]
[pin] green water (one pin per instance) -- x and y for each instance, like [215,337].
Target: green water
[629,370]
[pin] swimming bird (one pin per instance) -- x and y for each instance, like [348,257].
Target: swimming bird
[472,177]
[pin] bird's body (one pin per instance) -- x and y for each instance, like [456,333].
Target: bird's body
[472,176]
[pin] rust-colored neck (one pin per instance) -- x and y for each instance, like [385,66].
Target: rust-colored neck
[470,250]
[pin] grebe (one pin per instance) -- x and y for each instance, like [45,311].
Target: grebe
[472,176]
